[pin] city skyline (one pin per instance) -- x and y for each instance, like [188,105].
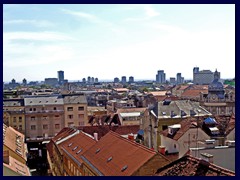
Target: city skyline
[108,41]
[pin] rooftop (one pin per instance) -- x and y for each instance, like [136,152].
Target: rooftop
[191,166]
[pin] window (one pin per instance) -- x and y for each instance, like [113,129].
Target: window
[81,117]
[80,108]
[20,127]
[20,119]
[42,108]
[44,118]
[34,109]
[57,126]
[14,119]
[33,127]
[45,126]
[30,109]
[32,118]
[70,124]
[69,108]
[56,116]
[81,123]
[54,108]
[70,116]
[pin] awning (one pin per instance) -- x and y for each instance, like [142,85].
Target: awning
[140,132]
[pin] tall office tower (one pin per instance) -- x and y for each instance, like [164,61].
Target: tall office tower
[124,79]
[116,80]
[195,70]
[92,80]
[84,80]
[161,77]
[96,80]
[131,79]
[13,81]
[24,81]
[60,77]
[88,79]
[179,78]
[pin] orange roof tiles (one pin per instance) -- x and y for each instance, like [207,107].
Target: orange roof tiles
[112,153]
[77,145]
[193,92]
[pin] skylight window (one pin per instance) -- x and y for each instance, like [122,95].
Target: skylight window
[79,151]
[97,150]
[69,144]
[124,168]
[109,159]
[75,148]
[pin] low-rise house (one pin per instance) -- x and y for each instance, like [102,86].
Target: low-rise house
[14,144]
[167,113]
[179,138]
[191,166]
[114,155]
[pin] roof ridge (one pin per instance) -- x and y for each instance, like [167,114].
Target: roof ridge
[132,142]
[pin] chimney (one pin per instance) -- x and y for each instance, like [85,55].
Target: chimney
[207,157]
[162,149]
[95,136]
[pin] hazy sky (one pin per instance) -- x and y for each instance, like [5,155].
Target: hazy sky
[108,41]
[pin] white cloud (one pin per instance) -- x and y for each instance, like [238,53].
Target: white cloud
[37,23]
[36,36]
[150,11]
[83,15]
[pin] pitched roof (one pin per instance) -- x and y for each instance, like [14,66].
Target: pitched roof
[231,125]
[114,155]
[158,93]
[75,99]
[191,166]
[186,124]
[77,145]
[194,93]
[103,130]
[43,100]
[14,140]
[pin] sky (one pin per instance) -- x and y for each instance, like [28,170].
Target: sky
[108,41]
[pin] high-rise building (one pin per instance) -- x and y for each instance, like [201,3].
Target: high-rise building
[60,77]
[92,80]
[88,79]
[24,81]
[124,79]
[204,76]
[131,79]
[172,80]
[84,80]
[179,78]
[116,80]
[161,77]
[96,80]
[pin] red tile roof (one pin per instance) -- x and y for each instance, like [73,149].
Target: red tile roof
[186,124]
[112,153]
[193,93]
[77,145]
[103,130]
[191,166]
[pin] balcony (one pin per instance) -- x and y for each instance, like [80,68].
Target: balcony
[45,111]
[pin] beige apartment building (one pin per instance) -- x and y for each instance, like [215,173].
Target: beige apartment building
[13,114]
[75,108]
[44,116]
